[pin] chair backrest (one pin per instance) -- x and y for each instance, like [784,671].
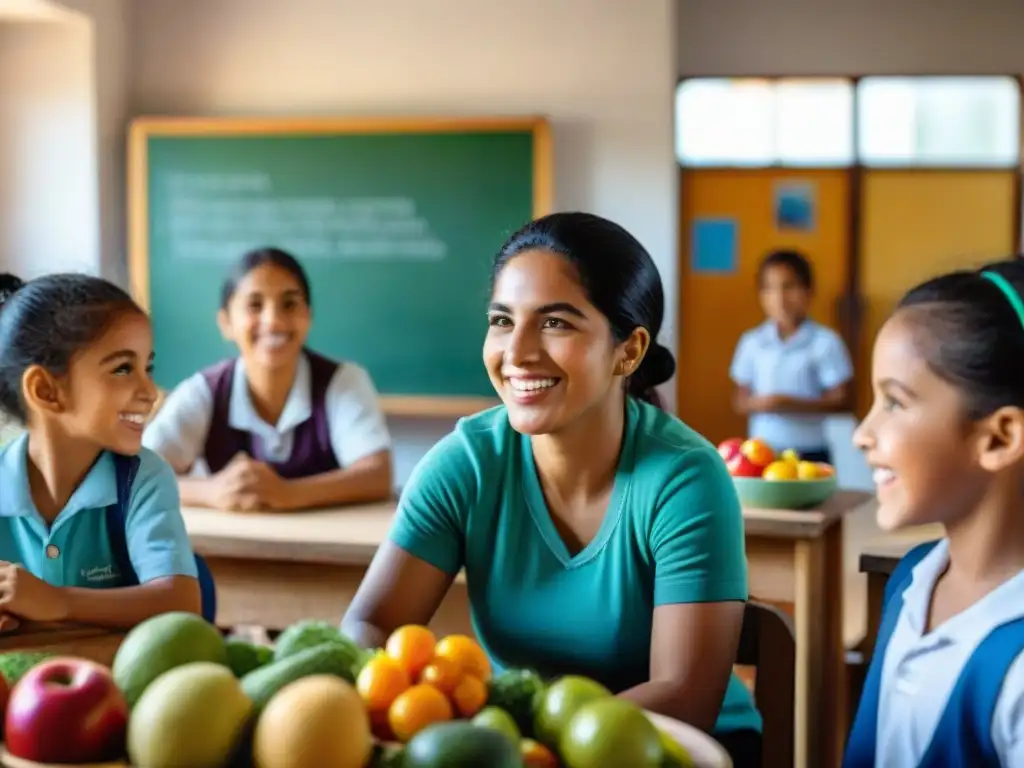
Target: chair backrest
[768,643]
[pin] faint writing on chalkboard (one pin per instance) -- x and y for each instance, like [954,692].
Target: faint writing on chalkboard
[219,216]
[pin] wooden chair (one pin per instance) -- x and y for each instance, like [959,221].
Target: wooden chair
[768,644]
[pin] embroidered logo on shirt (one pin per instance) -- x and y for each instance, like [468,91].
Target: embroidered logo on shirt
[100,574]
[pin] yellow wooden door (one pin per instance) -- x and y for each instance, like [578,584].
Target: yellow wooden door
[919,224]
[717,306]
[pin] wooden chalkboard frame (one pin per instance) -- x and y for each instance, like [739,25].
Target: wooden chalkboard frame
[141,129]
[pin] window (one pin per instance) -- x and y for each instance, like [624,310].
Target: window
[939,121]
[757,123]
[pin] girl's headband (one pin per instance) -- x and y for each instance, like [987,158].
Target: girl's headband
[1008,291]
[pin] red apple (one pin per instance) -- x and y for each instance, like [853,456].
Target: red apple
[741,466]
[66,710]
[727,449]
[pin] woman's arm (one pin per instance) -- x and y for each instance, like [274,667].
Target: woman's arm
[413,569]
[700,590]
[398,589]
[693,648]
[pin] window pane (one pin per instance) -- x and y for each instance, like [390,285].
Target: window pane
[939,121]
[814,122]
[724,122]
[750,122]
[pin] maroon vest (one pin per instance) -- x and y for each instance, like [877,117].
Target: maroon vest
[311,447]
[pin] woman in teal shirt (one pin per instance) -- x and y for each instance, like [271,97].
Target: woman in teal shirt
[599,535]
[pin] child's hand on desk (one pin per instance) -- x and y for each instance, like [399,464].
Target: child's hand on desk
[29,597]
[246,484]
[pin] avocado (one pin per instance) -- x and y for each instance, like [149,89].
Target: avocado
[458,743]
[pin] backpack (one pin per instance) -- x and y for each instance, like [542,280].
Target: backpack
[963,734]
[125,468]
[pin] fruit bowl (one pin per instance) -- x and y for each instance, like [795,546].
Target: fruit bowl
[784,494]
[704,751]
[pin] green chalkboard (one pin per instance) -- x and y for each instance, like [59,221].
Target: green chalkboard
[396,223]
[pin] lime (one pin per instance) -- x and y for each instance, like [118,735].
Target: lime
[499,720]
[559,703]
[609,732]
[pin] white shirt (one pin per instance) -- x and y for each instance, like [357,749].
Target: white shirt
[355,422]
[920,670]
[806,365]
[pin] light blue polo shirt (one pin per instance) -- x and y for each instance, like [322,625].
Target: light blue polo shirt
[75,551]
[806,365]
[673,533]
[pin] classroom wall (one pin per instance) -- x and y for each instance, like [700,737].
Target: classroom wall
[809,37]
[602,70]
[49,206]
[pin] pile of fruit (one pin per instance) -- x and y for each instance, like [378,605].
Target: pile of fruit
[755,458]
[179,694]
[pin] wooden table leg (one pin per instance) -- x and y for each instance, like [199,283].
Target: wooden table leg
[820,674]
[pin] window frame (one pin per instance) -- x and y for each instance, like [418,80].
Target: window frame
[857,161]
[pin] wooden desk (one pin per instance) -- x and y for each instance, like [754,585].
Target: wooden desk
[797,557]
[274,569]
[87,642]
[877,560]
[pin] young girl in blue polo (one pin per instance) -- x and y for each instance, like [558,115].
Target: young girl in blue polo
[90,523]
[946,440]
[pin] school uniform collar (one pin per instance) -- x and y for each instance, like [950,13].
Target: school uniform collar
[1004,603]
[97,490]
[297,408]
[769,333]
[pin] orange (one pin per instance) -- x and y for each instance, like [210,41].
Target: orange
[469,695]
[413,646]
[536,755]
[415,709]
[467,654]
[380,682]
[442,674]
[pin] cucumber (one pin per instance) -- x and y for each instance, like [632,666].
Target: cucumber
[244,657]
[261,684]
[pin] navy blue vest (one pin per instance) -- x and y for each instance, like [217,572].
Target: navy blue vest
[117,518]
[963,735]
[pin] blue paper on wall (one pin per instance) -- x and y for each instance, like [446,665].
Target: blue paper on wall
[713,246]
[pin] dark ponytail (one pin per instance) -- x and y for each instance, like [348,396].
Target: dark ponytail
[9,285]
[657,367]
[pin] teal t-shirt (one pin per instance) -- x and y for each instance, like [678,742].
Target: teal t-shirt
[673,533]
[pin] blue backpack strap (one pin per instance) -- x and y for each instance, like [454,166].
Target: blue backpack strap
[963,736]
[860,747]
[125,469]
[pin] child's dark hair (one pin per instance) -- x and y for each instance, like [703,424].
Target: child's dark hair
[618,276]
[795,261]
[971,335]
[258,258]
[8,285]
[47,321]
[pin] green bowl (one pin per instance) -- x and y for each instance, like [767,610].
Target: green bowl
[784,494]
